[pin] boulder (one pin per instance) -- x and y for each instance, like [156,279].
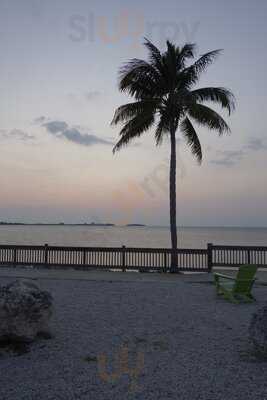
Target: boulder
[25,311]
[258,331]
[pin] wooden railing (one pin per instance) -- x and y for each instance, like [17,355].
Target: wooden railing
[238,255]
[123,258]
[127,258]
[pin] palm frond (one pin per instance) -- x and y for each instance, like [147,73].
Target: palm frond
[155,57]
[219,95]
[205,60]
[192,74]
[130,110]
[191,137]
[134,128]
[163,127]
[170,58]
[171,49]
[187,52]
[139,79]
[207,117]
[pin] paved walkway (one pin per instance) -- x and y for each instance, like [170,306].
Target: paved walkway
[107,276]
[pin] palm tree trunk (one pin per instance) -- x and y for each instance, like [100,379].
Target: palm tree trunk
[173,227]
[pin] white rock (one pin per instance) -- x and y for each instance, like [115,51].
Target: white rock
[25,311]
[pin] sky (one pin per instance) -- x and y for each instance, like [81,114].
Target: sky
[59,90]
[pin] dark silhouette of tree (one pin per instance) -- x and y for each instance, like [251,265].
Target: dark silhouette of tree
[165,98]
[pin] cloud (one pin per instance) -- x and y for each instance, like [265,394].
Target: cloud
[55,126]
[85,139]
[228,158]
[16,134]
[256,144]
[75,134]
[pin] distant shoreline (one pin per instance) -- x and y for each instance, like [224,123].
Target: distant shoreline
[47,224]
[65,224]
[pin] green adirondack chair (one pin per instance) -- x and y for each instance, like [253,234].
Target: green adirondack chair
[238,288]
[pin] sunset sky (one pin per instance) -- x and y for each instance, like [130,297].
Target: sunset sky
[58,92]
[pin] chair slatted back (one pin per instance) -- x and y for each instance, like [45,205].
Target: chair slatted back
[245,278]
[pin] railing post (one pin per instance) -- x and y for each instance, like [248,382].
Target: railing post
[209,248]
[14,257]
[84,256]
[123,249]
[248,256]
[165,263]
[46,254]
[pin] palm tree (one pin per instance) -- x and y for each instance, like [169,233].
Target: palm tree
[162,88]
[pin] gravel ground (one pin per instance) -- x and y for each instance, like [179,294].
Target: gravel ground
[193,345]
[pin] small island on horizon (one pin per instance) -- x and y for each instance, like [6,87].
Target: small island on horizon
[136,225]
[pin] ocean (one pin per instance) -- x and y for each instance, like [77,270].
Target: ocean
[116,236]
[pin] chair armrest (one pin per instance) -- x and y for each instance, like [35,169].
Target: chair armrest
[233,278]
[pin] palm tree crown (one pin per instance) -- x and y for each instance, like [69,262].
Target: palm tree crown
[162,89]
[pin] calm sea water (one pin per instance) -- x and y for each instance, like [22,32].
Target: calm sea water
[130,236]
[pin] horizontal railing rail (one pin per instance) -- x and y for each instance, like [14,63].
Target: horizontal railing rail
[133,258]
